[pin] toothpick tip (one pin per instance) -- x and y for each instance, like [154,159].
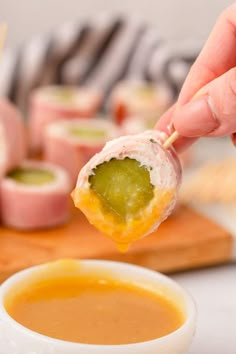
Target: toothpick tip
[169,141]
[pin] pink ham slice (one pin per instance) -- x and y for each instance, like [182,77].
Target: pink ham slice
[72,152]
[12,137]
[44,109]
[30,207]
[147,148]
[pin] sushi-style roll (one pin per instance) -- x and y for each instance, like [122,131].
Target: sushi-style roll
[130,187]
[141,99]
[71,143]
[35,195]
[51,103]
[12,137]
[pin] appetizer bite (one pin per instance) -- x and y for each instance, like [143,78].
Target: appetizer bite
[140,99]
[12,137]
[35,195]
[130,187]
[71,143]
[51,103]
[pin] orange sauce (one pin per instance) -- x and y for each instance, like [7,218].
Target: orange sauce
[94,310]
[122,233]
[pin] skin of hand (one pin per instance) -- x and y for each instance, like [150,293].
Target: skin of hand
[206,105]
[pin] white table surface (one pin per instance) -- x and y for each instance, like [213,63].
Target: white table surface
[214,289]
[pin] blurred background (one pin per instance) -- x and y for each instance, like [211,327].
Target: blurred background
[177,20]
[63,56]
[184,26]
[58,58]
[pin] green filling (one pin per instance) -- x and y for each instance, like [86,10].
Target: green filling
[31,176]
[123,186]
[84,133]
[145,91]
[64,95]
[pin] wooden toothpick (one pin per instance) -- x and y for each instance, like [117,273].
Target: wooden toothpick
[174,136]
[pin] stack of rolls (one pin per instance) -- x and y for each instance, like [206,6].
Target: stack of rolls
[33,194]
[71,143]
[51,103]
[63,125]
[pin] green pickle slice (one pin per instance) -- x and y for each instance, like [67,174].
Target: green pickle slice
[31,176]
[146,91]
[123,186]
[64,95]
[85,133]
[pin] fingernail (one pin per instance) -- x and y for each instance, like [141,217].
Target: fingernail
[196,118]
[170,128]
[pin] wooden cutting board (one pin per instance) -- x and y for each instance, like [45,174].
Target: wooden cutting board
[186,240]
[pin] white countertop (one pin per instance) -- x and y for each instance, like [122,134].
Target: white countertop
[214,291]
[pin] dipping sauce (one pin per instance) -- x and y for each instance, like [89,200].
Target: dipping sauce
[93,310]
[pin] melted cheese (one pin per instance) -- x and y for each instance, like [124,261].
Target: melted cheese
[123,233]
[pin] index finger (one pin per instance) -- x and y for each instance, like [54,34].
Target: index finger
[217,56]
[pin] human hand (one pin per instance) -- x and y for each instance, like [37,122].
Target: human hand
[207,102]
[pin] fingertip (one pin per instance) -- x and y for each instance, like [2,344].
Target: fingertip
[195,119]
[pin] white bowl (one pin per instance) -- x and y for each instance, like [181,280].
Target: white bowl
[16,339]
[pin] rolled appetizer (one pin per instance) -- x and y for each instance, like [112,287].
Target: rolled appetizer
[71,143]
[130,187]
[35,195]
[51,103]
[138,98]
[12,137]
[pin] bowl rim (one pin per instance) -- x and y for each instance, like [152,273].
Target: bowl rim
[191,310]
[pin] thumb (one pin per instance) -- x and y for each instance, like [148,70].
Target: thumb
[212,111]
